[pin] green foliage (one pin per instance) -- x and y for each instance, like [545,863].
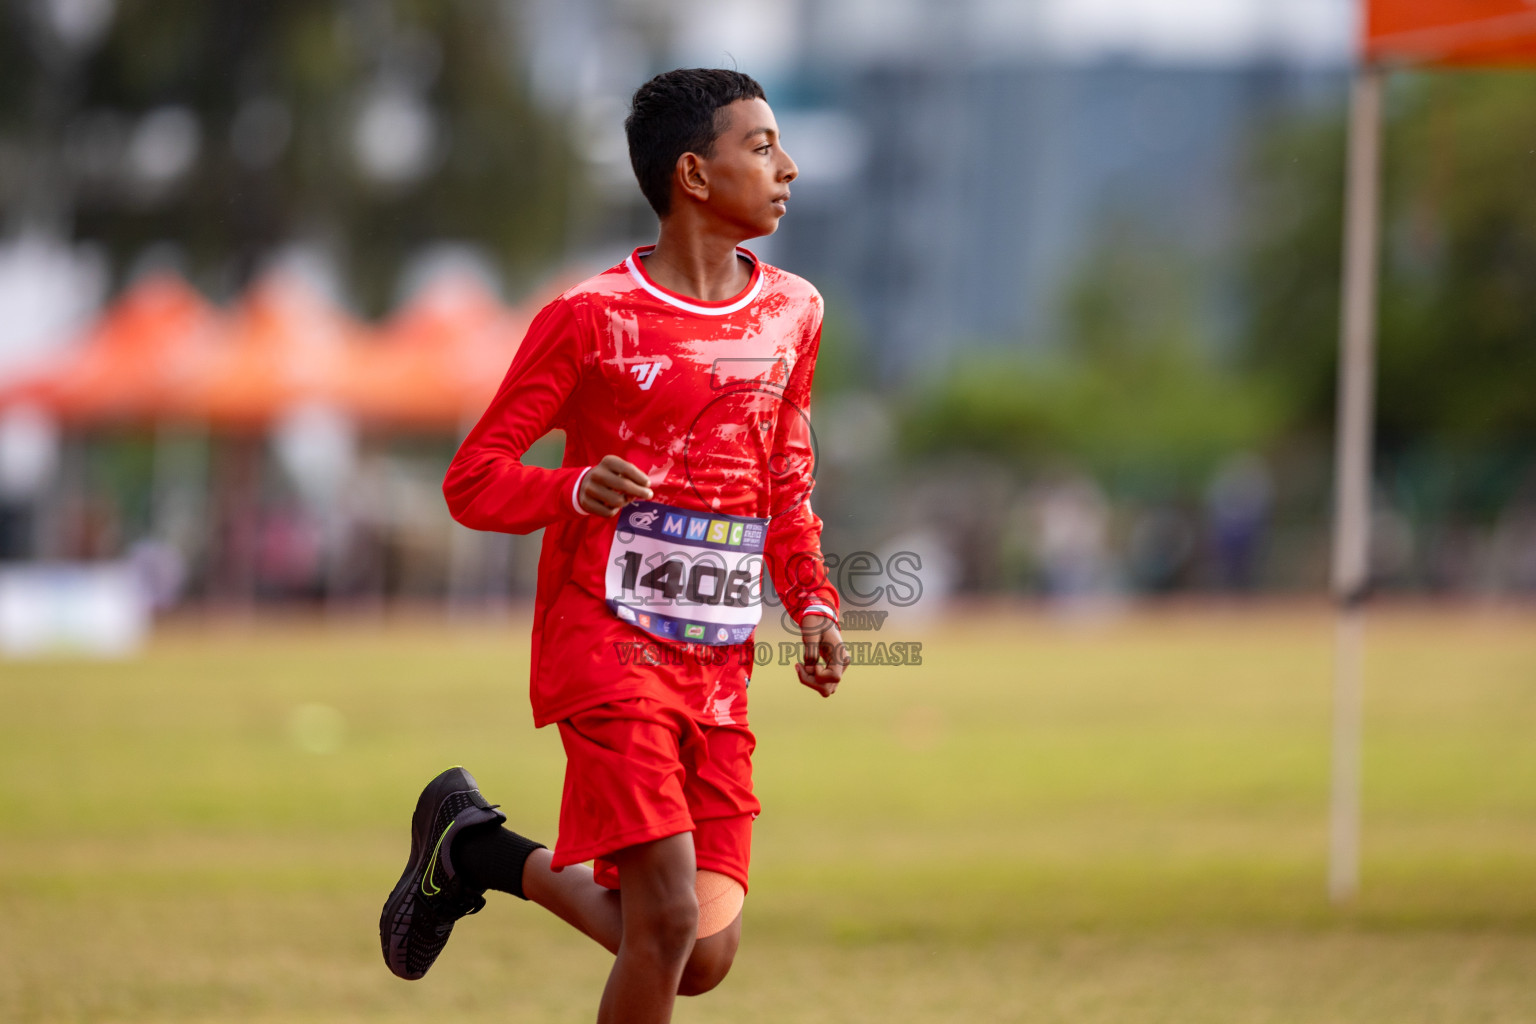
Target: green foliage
[503,174]
[1457,340]
[840,365]
[1131,389]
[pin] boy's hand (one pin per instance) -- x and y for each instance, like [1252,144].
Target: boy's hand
[825,654]
[612,484]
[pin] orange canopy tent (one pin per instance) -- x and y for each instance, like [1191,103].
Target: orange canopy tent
[125,366]
[444,354]
[440,359]
[1424,33]
[284,346]
[162,353]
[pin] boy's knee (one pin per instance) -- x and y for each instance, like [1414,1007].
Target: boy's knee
[707,967]
[661,907]
[669,927]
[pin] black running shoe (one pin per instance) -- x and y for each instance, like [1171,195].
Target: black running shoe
[431,896]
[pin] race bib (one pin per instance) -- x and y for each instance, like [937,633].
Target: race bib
[684,575]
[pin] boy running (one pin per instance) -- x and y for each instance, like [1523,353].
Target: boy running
[681,379]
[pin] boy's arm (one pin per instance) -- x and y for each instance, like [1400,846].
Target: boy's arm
[793,543]
[487,486]
[793,551]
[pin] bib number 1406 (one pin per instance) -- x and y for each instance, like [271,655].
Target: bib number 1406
[699,583]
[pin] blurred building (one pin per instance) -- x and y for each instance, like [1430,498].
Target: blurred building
[984,189]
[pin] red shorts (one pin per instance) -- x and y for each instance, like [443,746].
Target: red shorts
[638,770]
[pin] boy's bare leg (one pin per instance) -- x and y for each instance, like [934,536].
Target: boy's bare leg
[572,895]
[659,908]
[711,960]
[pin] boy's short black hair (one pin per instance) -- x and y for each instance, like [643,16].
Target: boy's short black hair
[676,113]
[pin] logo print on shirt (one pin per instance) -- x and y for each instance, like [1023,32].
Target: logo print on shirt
[696,528]
[720,707]
[643,520]
[674,525]
[646,373]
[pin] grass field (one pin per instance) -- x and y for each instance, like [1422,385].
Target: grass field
[1114,822]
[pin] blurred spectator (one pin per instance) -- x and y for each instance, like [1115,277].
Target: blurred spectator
[29,456]
[1072,518]
[91,529]
[161,572]
[1392,546]
[1160,547]
[1517,550]
[1237,506]
[288,559]
[16,531]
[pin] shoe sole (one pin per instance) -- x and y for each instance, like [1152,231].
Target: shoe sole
[395,921]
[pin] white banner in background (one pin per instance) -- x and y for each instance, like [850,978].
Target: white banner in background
[94,610]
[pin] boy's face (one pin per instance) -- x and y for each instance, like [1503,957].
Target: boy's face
[746,180]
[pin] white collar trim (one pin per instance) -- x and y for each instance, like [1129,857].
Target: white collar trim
[672,300]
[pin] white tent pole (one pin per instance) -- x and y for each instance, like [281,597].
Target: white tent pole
[1352,474]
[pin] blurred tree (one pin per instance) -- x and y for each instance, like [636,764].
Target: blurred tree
[1458,298]
[229,128]
[1130,393]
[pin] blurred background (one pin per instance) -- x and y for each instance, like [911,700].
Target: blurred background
[263,263]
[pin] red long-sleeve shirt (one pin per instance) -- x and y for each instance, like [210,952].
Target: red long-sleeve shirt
[710,399]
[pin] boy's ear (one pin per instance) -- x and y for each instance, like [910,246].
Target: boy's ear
[691,177]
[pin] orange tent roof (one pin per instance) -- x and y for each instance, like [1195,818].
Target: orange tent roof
[125,364]
[163,353]
[284,346]
[442,357]
[1465,32]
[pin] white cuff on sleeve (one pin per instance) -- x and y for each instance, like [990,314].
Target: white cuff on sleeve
[823,609]
[576,492]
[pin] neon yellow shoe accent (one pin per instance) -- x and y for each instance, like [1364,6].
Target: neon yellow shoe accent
[426,879]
